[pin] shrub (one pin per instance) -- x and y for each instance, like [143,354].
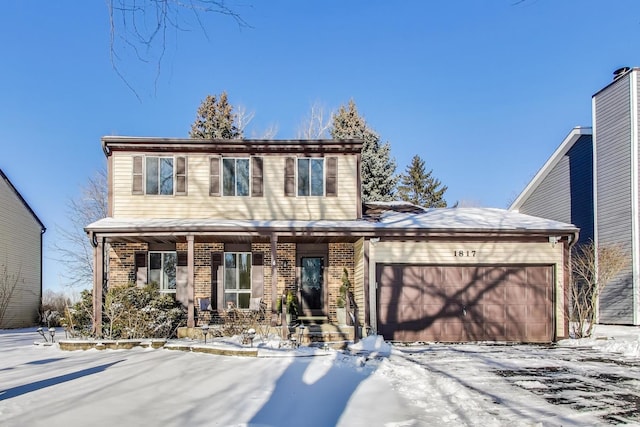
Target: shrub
[131,312]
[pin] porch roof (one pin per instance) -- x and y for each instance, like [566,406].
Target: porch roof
[446,221]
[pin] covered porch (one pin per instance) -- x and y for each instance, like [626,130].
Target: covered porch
[211,266]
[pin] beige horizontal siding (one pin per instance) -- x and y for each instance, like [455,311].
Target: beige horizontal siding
[487,253]
[20,252]
[198,204]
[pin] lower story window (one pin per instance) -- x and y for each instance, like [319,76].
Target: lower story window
[162,270]
[237,279]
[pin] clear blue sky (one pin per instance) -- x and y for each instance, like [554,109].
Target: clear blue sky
[483,90]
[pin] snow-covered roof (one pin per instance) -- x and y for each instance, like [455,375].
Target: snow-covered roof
[430,220]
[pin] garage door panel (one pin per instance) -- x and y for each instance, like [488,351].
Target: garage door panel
[494,313]
[538,276]
[494,295]
[495,331]
[433,275]
[414,292]
[516,292]
[493,274]
[539,311]
[503,303]
[410,313]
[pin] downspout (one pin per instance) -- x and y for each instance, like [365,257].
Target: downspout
[42,231]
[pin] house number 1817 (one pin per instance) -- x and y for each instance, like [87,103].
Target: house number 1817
[464,253]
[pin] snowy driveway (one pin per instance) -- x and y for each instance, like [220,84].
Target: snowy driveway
[431,385]
[583,385]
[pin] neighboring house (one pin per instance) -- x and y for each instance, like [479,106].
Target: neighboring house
[218,221]
[20,258]
[616,130]
[562,189]
[592,182]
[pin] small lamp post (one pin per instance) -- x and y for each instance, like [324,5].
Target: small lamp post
[205,331]
[52,332]
[41,332]
[300,333]
[250,335]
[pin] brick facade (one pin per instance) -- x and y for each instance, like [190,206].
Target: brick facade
[121,269]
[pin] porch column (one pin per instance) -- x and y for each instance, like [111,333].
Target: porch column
[274,275]
[98,281]
[190,282]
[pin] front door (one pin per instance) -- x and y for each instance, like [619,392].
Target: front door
[312,285]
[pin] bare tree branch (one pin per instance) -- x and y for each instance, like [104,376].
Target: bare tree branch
[316,125]
[143,25]
[74,248]
[593,267]
[8,285]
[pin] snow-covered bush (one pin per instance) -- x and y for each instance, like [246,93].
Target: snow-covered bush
[131,312]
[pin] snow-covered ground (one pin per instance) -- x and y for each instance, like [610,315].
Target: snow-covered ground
[575,383]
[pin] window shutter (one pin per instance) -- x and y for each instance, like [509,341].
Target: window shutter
[290,177]
[136,187]
[257,275]
[140,260]
[256,177]
[332,176]
[216,280]
[181,176]
[182,291]
[214,176]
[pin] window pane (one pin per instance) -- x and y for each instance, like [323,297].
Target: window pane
[166,175]
[155,267]
[230,297]
[244,299]
[228,177]
[169,268]
[244,268]
[152,175]
[242,177]
[303,177]
[317,177]
[230,271]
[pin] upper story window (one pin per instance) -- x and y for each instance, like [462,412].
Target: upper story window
[235,177]
[230,176]
[159,175]
[162,175]
[310,177]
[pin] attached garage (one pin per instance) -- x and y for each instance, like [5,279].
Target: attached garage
[465,302]
[468,275]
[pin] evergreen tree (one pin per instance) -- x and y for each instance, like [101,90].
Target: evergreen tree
[420,188]
[377,166]
[215,120]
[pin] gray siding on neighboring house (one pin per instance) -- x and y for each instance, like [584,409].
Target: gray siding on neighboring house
[612,116]
[21,255]
[566,193]
[581,180]
[552,198]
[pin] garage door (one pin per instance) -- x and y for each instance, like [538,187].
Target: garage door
[465,303]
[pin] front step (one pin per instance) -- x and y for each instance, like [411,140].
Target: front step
[313,320]
[321,333]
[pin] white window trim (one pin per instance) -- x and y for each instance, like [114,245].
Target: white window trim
[324,176]
[235,187]
[173,173]
[160,287]
[237,290]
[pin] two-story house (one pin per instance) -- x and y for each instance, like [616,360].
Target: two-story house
[21,233]
[219,222]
